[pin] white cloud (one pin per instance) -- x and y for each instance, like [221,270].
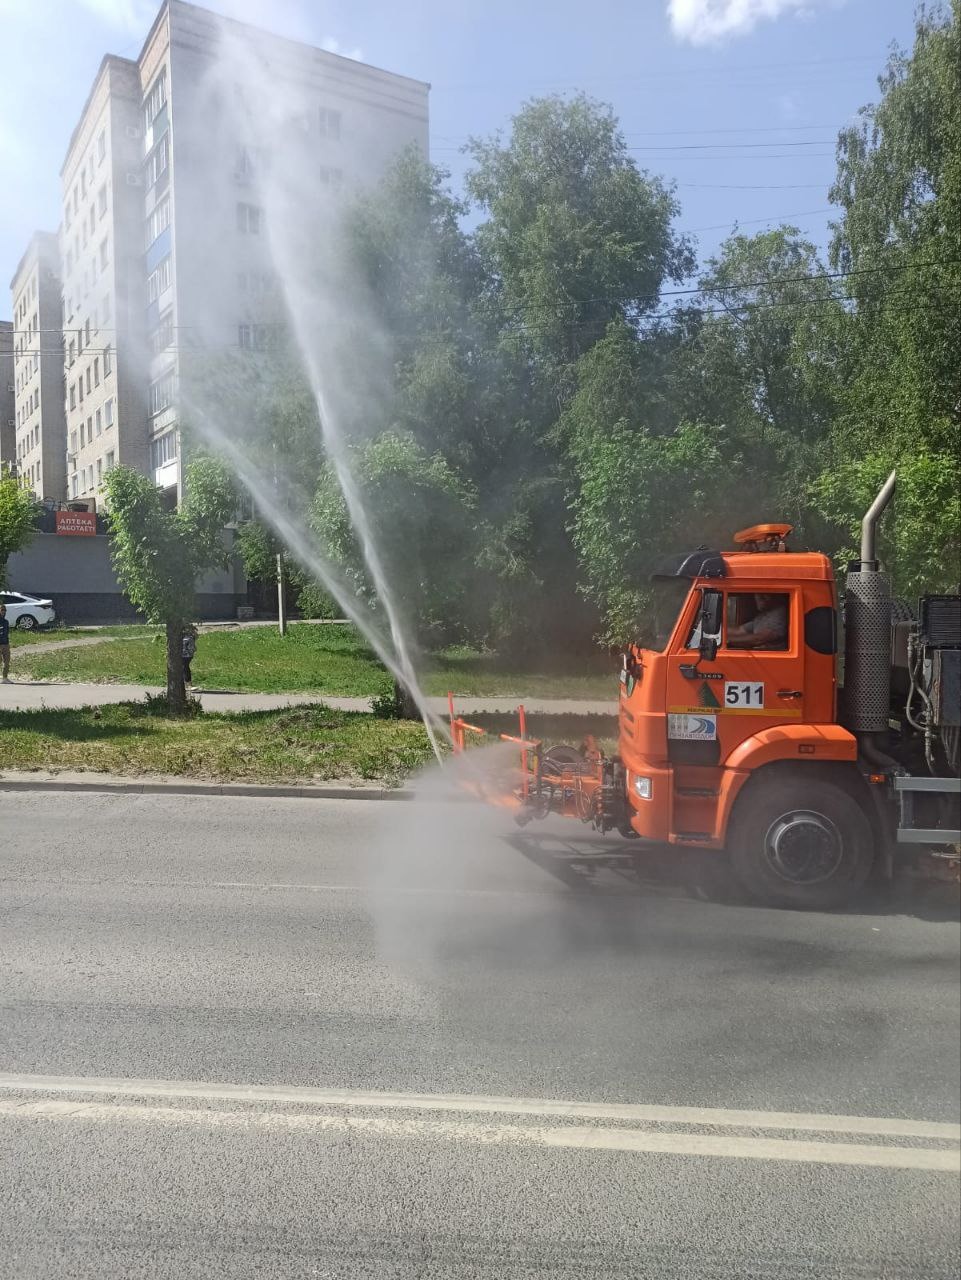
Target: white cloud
[706,21]
[332,45]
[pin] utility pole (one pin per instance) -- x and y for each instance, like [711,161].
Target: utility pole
[281,600]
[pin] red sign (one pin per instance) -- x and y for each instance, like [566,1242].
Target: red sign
[77,524]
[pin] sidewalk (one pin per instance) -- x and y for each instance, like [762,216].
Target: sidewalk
[27,695]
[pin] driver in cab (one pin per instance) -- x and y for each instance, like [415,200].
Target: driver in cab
[766,630]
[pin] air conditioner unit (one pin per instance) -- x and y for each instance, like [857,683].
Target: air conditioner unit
[11,422]
[10,387]
[132,131]
[134,180]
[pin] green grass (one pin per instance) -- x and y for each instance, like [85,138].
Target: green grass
[297,744]
[330,660]
[482,674]
[323,659]
[51,635]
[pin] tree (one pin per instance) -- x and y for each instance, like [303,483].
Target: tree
[257,406]
[642,487]
[159,554]
[422,521]
[18,519]
[898,187]
[576,234]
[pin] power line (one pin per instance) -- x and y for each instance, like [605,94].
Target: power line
[740,186]
[649,321]
[703,146]
[753,222]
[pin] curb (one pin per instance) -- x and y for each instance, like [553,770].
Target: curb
[251,790]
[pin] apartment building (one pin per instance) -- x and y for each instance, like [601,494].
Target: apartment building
[38,443]
[101,244]
[166,260]
[8,422]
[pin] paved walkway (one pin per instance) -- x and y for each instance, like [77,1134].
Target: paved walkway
[30,695]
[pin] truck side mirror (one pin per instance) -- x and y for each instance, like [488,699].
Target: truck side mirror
[712,606]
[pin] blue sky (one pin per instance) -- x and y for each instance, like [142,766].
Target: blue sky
[738,101]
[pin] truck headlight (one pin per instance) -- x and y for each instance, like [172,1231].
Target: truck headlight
[643,788]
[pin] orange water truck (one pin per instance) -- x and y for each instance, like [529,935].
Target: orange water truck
[735,734]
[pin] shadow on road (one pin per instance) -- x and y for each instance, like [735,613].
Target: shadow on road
[608,867]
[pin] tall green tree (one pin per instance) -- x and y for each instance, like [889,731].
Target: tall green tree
[576,235]
[422,521]
[898,189]
[18,519]
[159,554]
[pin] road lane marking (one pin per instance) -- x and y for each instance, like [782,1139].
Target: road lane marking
[479,1104]
[579,1138]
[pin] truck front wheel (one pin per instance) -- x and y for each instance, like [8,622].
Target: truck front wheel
[800,843]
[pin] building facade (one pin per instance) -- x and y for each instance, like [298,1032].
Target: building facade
[38,444]
[101,245]
[8,421]
[167,264]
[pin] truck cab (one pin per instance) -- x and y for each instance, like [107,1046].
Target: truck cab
[737,689]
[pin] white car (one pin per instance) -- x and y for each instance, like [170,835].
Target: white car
[27,612]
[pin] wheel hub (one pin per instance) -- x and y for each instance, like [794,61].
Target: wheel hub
[803,847]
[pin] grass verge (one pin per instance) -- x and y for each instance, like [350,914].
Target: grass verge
[297,744]
[332,660]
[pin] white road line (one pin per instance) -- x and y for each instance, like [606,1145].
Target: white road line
[477,1104]
[933,1160]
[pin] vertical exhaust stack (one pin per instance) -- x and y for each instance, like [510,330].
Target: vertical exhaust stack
[867,640]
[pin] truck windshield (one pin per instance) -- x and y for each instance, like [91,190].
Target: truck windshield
[667,601]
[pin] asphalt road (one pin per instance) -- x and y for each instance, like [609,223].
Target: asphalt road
[244,1037]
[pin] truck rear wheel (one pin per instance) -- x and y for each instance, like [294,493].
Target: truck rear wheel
[800,843]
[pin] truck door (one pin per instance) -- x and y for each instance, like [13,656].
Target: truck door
[761,658]
[755,679]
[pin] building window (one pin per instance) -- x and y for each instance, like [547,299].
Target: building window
[88,379]
[109,460]
[163,335]
[244,339]
[73,396]
[80,389]
[73,485]
[163,450]
[329,122]
[101,145]
[158,280]
[161,393]
[155,100]
[158,221]
[86,331]
[99,470]
[103,255]
[96,371]
[106,362]
[156,163]
[83,434]
[249,218]
[331,177]
[108,412]
[99,422]
[73,442]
